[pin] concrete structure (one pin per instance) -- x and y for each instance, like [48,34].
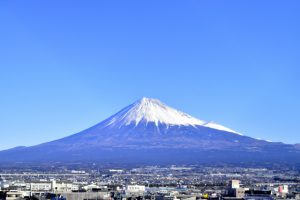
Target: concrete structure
[235,190]
[52,186]
[14,195]
[239,192]
[136,188]
[234,184]
[63,187]
[86,195]
[39,186]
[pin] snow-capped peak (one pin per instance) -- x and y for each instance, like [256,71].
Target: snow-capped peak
[148,110]
[152,110]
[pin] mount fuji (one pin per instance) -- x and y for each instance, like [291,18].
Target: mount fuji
[148,131]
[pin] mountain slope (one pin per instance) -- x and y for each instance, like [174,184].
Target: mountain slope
[150,131]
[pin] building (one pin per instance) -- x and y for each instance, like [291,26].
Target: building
[135,189]
[39,186]
[51,186]
[234,184]
[14,195]
[283,189]
[235,190]
[86,195]
[259,195]
[63,187]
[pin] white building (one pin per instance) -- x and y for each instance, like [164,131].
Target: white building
[234,184]
[39,186]
[63,187]
[52,186]
[135,189]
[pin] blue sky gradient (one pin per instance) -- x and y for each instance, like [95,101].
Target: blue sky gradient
[67,65]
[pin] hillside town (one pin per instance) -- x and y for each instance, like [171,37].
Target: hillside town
[150,182]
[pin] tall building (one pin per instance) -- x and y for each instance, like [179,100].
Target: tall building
[235,190]
[234,184]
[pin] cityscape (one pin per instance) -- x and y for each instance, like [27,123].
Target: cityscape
[189,182]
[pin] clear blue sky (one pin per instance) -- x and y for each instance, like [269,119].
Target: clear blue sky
[66,65]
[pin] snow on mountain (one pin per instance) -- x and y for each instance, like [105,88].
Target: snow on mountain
[149,131]
[148,110]
[152,110]
[213,125]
